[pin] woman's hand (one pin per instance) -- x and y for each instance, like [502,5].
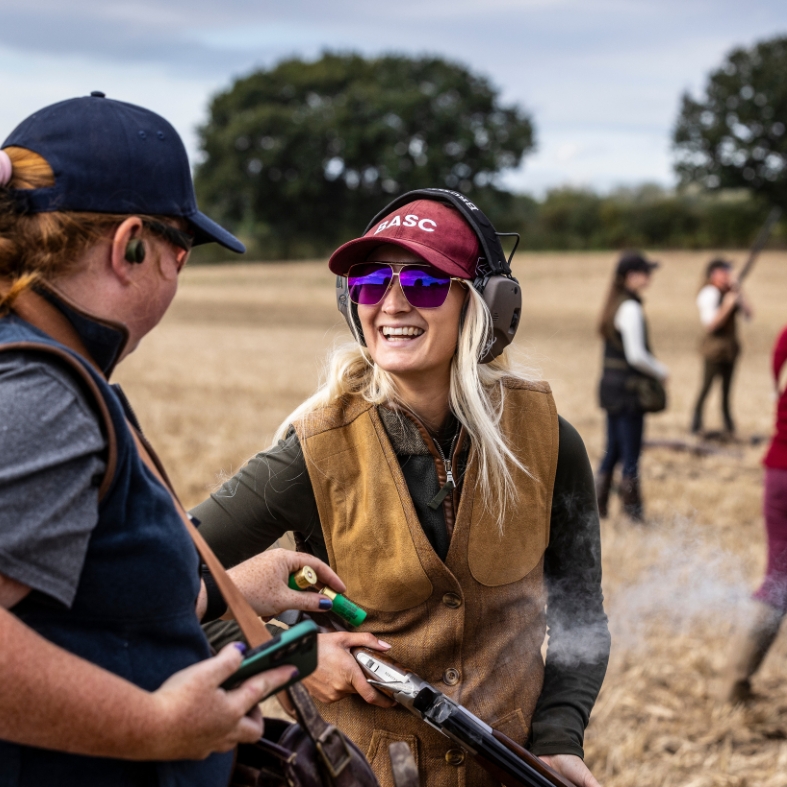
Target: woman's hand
[730,300]
[263,581]
[572,768]
[338,673]
[194,717]
[55,700]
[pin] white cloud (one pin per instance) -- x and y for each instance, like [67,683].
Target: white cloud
[29,84]
[601,159]
[602,78]
[567,151]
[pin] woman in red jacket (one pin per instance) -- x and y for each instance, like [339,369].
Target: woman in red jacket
[770,601]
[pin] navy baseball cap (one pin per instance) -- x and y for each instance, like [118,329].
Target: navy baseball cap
[112,157]
[634,261]
[716,264]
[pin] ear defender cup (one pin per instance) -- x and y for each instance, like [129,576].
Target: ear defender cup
[135,251]
[348,309]
[503,298]
[494,281]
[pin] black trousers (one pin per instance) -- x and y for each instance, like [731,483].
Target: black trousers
[714,369]
[624,443]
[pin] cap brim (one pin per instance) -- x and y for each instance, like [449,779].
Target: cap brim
[355,251]
[207,231]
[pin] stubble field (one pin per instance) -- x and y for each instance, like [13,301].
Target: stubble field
[243,344]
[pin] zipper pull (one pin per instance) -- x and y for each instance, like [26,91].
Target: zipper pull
[445,490]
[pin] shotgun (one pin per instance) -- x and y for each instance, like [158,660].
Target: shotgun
[506,760]
[759,242]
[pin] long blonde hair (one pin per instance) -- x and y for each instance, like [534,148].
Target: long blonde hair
[476,398]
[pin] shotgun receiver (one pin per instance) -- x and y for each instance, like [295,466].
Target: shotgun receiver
[508,762]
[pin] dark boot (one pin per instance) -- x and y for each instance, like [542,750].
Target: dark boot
[631,499]
[603,485]
[696,422]
[748,648]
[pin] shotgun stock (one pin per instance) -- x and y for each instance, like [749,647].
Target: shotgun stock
[506,760]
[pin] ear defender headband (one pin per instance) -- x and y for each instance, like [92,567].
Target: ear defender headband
[494,281]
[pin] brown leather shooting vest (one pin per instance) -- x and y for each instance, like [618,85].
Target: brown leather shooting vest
[473,625]
[618,387]
[612,335]
[722,346]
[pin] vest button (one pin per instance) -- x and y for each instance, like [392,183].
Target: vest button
[455,757]
[451,677]
[452,600]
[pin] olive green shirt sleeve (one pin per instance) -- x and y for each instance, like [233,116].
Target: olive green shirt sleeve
[268,497]
[579,640]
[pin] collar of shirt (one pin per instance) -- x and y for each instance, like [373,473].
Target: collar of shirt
[104,342]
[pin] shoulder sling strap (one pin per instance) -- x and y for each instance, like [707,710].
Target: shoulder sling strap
[250,624]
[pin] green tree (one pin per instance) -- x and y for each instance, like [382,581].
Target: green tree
[299,157]
[646,216]
[734,136]
[570,217]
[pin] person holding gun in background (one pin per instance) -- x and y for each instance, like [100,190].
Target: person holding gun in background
[437,479]
[719,301]
[106,678]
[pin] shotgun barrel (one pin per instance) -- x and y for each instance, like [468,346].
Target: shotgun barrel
[508,762]
[760,241]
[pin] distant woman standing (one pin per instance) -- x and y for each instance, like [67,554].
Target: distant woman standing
[631,382]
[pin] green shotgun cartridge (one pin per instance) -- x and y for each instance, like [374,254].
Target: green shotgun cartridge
[306,579]
[345,608]
[303,579]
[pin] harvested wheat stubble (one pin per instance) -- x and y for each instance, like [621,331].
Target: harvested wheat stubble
[244,344]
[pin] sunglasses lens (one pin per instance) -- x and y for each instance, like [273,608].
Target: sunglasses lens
[424,288]
[368,283]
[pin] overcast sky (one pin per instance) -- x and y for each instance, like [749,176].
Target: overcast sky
[602,78]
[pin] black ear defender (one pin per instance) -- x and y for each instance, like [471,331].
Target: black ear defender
[135,251]
[494,281]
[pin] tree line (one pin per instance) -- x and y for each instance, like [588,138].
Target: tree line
[296,158]
[646,217]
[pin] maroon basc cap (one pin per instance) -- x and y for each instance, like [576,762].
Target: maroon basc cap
[433,230]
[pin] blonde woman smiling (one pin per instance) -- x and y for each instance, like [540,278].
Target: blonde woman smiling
[449,496]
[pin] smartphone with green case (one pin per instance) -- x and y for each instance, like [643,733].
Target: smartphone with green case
[296,646]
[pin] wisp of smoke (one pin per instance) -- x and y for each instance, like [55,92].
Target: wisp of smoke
[686,579]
